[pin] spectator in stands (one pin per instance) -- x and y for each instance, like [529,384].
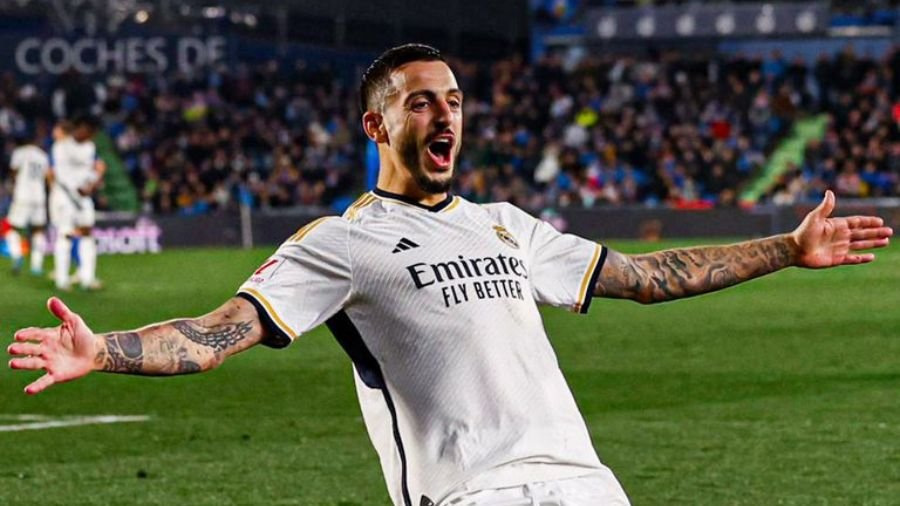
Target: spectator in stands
[665,129]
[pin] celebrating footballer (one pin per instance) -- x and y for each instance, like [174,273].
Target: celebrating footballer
[435,299]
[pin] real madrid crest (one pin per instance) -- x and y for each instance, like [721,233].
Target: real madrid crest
[506,237]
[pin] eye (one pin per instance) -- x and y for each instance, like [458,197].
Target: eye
[419,105]
[454,103]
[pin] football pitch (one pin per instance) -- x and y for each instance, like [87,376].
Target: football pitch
[785,390]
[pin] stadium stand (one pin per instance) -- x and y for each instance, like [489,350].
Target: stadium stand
[859,155]
[665,128]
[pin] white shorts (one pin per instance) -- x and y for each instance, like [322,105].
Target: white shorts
[27,214]
[68,213]
[597,489]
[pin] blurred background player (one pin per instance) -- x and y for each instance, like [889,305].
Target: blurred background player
[29,166]
[77,172]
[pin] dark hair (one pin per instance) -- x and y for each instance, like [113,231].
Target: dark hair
[377,77]
[22,136]
[84,119]
[64,124]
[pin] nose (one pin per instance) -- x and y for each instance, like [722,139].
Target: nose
[443,113]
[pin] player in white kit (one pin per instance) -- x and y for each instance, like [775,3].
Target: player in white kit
[76,173]
[435,299]
[28,212]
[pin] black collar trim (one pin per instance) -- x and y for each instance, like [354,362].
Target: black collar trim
[403,198]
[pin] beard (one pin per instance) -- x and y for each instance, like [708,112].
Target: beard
[429,185]
[410,154]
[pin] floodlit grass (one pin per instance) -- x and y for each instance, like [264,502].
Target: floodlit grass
[780,391]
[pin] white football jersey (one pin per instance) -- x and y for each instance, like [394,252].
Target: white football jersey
[73,164]
[30,164]
[438,309]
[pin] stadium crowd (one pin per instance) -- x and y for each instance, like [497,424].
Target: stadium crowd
[664,129]
[860,154]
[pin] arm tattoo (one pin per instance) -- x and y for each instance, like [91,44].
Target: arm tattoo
[218,337]
[176,356]
[124,353]
[177,347]
[673,274]
[185,364]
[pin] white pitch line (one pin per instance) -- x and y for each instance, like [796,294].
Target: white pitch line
[73,422]
[25,418]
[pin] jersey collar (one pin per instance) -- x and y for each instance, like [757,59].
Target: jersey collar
[440,206]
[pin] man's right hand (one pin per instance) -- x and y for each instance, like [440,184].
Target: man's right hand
[65,352]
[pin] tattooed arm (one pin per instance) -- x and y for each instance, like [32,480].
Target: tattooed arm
[673,274]
[819,242]
[72,350]
[181,346]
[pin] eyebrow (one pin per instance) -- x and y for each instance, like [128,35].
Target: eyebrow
[431,94]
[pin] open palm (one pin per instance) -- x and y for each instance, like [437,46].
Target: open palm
[65,352]
[827,242]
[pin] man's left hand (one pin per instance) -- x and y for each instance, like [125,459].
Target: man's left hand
[828,242]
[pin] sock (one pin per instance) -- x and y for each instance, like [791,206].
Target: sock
[14,242]
[87,258]
[62,253]
[38,244]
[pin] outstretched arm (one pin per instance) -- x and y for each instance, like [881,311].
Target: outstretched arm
[71,350]
[819,242]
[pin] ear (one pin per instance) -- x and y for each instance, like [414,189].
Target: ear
[373,125]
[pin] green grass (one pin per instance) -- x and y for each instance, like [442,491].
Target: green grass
[780,391]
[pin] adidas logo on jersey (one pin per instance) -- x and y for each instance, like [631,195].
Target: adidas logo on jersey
[404,245]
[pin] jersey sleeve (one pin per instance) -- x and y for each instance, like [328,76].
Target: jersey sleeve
[305,282]
[564,267]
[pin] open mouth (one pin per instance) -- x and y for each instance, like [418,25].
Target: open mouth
[439,150]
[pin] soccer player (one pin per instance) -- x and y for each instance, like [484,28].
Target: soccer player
[76,174]
[28,213]
[435,300]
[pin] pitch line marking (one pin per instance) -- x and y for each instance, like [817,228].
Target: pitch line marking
[70,421]
[24,418]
